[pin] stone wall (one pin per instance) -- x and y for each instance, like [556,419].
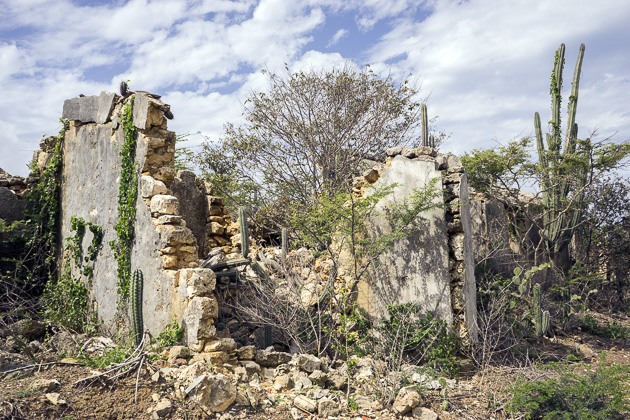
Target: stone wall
[434,264]
[180,222]
[164,248]
[12,190]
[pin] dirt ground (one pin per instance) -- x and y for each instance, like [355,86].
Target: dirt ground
[476,395]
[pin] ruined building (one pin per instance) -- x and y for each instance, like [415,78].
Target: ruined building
[179,222]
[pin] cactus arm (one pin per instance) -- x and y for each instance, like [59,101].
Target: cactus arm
[556,100]
[569,145]
[546,321]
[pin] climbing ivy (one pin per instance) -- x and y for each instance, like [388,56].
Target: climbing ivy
[67,300]
[74,243]
[127,196]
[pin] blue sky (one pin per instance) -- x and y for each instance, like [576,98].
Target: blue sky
[483,65]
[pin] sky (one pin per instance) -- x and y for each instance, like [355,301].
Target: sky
[483,66]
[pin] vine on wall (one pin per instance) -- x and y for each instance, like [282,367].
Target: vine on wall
[127,197]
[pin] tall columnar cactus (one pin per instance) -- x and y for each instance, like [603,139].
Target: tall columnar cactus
[137,327]
[425,125]
[538,309]
[285,244]
[560,186]
[242,222]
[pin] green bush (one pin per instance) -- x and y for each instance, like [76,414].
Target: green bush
[599,394]
[411,337]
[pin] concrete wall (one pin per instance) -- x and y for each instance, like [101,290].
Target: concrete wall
[163,248]
[433,265]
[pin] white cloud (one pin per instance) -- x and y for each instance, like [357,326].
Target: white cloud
[485,64]
[341,33]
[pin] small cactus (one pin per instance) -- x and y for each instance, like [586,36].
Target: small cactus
[137,327]
[546,321]
[242,222]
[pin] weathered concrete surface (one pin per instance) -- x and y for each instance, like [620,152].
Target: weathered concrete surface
[470,286]
[91,179]
[97,109]
[415,268]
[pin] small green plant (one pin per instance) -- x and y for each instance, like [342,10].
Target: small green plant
[601,393]
[354,406]
[408,335]
[111,355]
[171,335]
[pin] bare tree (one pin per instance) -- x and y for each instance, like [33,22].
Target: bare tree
[310,132]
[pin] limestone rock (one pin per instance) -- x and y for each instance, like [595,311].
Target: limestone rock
[164,204]
[268,358]
[199,319]
[150,186]
[308,363]
[306,404]
[44,385]
[222,344]
[213,392]
[197,282]
[408,398]
[246,352]
[327,407]
[423,413]
[55,398]
[162,409]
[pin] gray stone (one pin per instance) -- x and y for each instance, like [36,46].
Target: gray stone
[327,407]
[422,413]
[44,385]
[11,206]
[305,404]
[407,399]
[308,363]
[162,409]
[272,358]
[193,205]
[88,109]
[470,283]
[214,393]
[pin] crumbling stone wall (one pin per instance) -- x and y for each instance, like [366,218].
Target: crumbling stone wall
[164,248]
[434,265]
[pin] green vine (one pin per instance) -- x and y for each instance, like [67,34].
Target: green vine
[37,265]
[127,196]
[75,242]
